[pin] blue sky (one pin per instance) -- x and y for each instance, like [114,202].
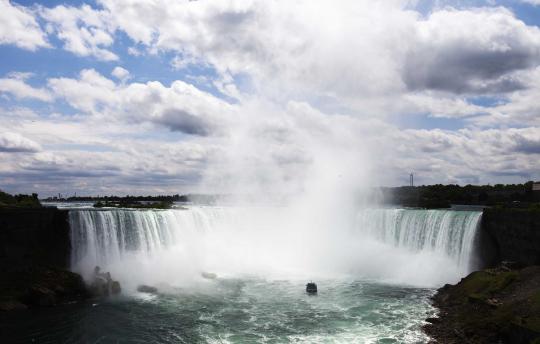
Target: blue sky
[174,97]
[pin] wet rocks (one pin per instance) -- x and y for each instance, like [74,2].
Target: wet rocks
[208,275]
[32,287]
[40,296]
[147,289]
[12,305]
[103,284]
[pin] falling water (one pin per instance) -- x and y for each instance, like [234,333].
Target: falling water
[173,246]
[446,232]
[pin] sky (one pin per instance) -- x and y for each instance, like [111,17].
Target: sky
[162,97]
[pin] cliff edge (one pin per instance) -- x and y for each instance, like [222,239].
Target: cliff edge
[514,233]
[34,259]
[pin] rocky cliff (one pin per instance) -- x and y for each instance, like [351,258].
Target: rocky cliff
[34,258]
[510,235]
[34,236]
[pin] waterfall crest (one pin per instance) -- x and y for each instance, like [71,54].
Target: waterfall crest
[175,245]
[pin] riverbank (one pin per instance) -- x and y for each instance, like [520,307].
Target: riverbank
[499,305]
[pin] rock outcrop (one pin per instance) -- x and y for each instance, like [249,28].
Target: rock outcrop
[509,234]
[39,286]
[490,306]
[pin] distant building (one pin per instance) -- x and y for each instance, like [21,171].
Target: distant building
[536,186]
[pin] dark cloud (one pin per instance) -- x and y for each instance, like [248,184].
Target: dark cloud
[181,120]
[527,146]
[18,149]
[467,70]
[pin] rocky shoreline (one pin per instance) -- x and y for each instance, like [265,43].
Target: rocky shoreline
[40,286]
[500,305]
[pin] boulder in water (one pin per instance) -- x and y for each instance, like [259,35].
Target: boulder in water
[11,305]
[103,284]
[147,289]
[115,288]
[40,296]
[208,275]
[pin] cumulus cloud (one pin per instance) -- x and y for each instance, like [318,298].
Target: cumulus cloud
[120,73]
[16,143]
[306,92]
[363,56]
[471,51]
[19,27]
[85,31]
[15,85]
[87,93]
[180,107]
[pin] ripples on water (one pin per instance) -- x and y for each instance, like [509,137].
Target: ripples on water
[235,311]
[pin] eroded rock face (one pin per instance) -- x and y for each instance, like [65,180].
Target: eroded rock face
[34,237]
[514,233]
[34,256]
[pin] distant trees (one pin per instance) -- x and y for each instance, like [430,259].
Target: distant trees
[20,201]
[123,199]
[442,196]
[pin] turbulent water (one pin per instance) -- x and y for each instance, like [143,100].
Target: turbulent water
[375,268]
[237,311]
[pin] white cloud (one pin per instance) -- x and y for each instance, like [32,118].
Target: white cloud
[120,73]
[311,88]
[532,2]
[15,84]
[471,51]
[364,57]
[19,27]
[87,93]
[436,105]
[180,107]
[84,30]
[15,143]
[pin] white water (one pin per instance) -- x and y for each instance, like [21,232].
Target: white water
[414,247]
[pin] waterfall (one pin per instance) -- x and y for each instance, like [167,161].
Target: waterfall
[447,232]
[176,245]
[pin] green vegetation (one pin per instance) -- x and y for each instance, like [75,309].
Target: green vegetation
[19,201]
[442,196]
[482,285]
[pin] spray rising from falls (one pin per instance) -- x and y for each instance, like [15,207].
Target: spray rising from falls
[417,247]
